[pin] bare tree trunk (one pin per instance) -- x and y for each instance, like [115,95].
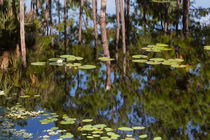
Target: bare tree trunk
[80,20]
[22,32]
[95,22]
[37,8]
[86,12]
[123,36]
[166,19]
[51,25]
[65,35]
[177,16]
[108,76]
[59,17]
[103,28]
[128,25]
[46,17]
[117,31]
[186,8]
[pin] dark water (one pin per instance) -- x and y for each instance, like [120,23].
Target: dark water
[170,103]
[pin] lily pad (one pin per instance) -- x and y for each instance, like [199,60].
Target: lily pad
[38,63]
[87,120]
[105,59]
[178,66]
[207,48]
[68,135]
[125,129]
[162,44]
[152,63]
[87,67]
[78,58]
[157,59]
[66,56]
[25,96]
[54,59]
[138,127]
[139,56]
[139,61]
[143,136]
[157,138]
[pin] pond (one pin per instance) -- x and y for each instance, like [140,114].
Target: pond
[91,73]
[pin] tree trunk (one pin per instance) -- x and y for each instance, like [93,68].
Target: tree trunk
[22,32]
[103,28]
[46,17]
[86,12]
[94,6]
[177,16]
[59,17]
[123,37]
[186,8]
[108,76]
[51,25]
[128,25]
[166,19]
[80,20]
[37,8]
[118,30]
[65,33]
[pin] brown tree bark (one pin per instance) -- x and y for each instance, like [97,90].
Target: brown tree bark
[103,28]
[65,33]
[46,17]
[22,32]
[166,19]
[51,24]
[37,8]
[94,6]
[177,16]
[186,8]
[123,36]
[59,17]
[117,30]
[80,20]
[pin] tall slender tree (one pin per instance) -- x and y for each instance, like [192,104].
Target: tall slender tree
[51,24]
[65,21]
[186,8]
[80,21]
[46,17]
[177,15]
[166,18]
[94,11]
[37,8]
[123,36]
[22,32]
[117,30]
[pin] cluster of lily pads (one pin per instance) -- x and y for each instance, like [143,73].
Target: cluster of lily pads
[21,133]
[89,130]
[174,63]
[159,47]
[66,60]
[207,48]
[18,112]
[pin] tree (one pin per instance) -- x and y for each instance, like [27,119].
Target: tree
[22,32]
[117,30]
[186,8]
[65,18]
[37,7]
[123,36]
[94,11]
[80,20]
[46,17]
[51,25]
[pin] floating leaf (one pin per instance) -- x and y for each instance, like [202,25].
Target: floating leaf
[178,66]
[105,59]
[139,56]
[139,61]
[157,138]
[143,136]
[157,59]
[38,63]
[125,129]
[87,120]
[162,44]
[207,48]
[78,58]
[152,63]
[87,67]
[26,96]
[68,135]
[54,59]
[54,128]
[66,56]
[138,127]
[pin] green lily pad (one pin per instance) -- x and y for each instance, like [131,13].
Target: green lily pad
[125,129]
[36,96]
[54,128]
[143,136]
[139,56]
[78,58]
[162,44]
[157,138]
[26,96]
[153,63]
[68,135]
[157,59]
[138,127]
[178,66]
[87,67]
[96,135]
[38,63]
[108,129]
[87,120]
[176,60]
[54,59]
[139,61]
[70,59]
[105,59]
[207,48]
